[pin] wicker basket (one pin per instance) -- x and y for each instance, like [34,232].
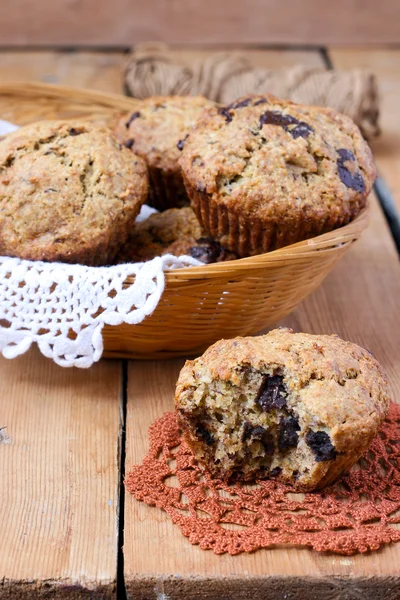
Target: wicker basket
[200,304]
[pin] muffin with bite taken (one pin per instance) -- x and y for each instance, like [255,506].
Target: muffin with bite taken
[293,406]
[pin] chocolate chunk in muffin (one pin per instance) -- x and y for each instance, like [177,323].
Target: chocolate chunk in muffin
[204,434]
[321,445]
[209,251]
[225,111]
[347,171]
[288,436]
[272,393]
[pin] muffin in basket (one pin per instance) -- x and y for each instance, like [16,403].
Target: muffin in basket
[302,408]
[175,231]
[69,191]
[157,131]
[263,173]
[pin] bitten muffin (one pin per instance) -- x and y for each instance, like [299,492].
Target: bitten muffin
[69,191]
[175,231]
[157,131]
[301,408]
[263,173]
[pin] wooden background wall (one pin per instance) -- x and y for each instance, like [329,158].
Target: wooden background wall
[126,22]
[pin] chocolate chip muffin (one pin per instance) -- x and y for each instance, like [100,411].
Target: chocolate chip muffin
[298,407]
[157,131]
[175,231]
[262,173]
[69,191]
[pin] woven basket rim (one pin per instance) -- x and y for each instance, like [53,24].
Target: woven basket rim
[323,243]
[326,242]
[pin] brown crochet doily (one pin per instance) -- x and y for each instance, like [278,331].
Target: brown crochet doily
[356,514]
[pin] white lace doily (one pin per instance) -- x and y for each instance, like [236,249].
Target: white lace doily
[63,308]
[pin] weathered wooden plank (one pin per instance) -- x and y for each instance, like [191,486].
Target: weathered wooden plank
[59,465]
[59,478]
[123,22]
[96,70]
[358,300]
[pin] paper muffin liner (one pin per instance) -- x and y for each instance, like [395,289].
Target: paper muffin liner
[248,236]
[166,189]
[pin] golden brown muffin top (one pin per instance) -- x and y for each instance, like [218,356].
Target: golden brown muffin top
[158,129]
[69,191]
[276,159]
[338,381]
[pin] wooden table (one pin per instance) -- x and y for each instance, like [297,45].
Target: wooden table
[67,530]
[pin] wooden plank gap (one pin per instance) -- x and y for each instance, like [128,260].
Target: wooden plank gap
[64,48]
[389,208]
[326,58]
[223,47]
[121,591]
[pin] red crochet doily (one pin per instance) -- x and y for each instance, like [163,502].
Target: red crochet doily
[356,514]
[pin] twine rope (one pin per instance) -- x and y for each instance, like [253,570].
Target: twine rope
[223,77]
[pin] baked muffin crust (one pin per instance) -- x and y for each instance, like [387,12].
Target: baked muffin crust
[68,192]
[157,131]
[263,173]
